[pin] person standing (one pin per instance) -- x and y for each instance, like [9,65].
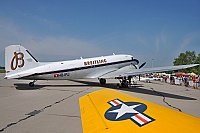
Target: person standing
[194,82]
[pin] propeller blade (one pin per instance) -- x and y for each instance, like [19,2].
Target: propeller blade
[136,66]
[142,65]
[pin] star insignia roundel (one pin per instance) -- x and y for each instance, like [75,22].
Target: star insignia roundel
[128,110]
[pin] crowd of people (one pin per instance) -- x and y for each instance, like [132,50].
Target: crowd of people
[186,80]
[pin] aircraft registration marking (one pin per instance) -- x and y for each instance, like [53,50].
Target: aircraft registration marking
[128,110]
[61,75]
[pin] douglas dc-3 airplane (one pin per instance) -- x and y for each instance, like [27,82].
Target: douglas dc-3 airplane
[20,64]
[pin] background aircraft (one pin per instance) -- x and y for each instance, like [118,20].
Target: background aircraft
[20,64]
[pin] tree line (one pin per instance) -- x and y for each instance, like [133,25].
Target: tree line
[189,57]
[2,67]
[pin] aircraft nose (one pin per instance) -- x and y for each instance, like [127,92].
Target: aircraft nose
[136,61]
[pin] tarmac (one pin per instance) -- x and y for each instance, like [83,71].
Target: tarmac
[52,106]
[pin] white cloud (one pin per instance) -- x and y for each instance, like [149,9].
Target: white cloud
[47,45]
[142,41]
[45,22]
[160,42]
[62,45]
[188,41]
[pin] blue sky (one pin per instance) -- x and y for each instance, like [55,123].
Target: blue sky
[68,29]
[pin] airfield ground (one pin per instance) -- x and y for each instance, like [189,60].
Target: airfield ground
[52,106]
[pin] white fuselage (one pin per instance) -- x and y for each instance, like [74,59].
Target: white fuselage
[81,68]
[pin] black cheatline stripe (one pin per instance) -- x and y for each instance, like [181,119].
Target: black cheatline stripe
[86,67]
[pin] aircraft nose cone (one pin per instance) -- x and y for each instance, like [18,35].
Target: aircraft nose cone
[136,61]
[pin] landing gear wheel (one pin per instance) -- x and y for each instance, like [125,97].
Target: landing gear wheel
[31,84]
[124,83]
[118,85]
[102,81]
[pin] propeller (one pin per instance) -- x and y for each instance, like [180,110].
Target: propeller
[136,66]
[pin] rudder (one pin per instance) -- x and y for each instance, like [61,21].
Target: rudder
[18,58]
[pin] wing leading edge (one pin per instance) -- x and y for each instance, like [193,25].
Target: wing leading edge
[107,111]
[132,72]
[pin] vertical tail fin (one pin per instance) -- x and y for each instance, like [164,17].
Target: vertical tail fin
[17,59]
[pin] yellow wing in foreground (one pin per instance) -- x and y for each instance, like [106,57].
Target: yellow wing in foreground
[106,111]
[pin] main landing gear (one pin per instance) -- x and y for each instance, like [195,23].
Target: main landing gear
[102,81]
[124,82]
[31,84]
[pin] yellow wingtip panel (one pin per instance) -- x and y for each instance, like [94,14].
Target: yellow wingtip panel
[106,111]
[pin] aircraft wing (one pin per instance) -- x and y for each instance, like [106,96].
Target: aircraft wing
[131,71]
[109,111]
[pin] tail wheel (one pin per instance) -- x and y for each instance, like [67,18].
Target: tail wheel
[102,81]
[31,84]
